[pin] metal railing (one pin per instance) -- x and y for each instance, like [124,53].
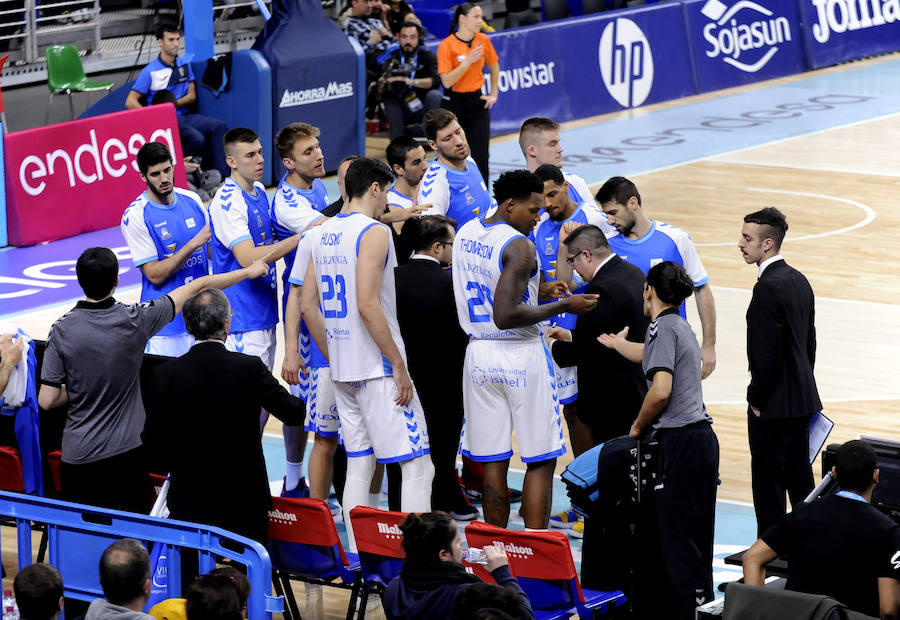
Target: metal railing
[26,27]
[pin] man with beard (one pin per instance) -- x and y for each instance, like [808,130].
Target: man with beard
[166,231]
[561,210]
[644,243]
[453,183]
[411,81]
[406,157]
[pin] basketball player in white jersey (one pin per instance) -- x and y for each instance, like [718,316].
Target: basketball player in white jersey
[350,306]
[509,381]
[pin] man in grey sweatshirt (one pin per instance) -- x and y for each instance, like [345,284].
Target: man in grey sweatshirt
[125,578]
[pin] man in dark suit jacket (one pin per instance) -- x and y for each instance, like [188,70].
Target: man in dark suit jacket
[436,349]
[610,387]
[781,349]
[204,420]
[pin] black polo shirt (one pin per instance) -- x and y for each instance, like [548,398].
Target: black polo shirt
[838,546]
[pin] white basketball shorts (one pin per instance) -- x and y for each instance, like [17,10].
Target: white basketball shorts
[172,346]
[510,385]
[372,423]
[321,407]
[260,342]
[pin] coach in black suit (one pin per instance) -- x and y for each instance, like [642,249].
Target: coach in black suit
[781,349]
[610,387]
[204,420]
[435,349]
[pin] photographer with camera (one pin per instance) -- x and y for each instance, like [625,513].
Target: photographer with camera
[410,81]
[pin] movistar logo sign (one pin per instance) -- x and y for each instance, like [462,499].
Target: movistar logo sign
[334,90]
[745,35]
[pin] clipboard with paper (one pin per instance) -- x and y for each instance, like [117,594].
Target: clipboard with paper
[819,429]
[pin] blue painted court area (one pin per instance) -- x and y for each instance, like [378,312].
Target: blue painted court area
[693,131]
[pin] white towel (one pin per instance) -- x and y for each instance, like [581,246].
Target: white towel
[14,394]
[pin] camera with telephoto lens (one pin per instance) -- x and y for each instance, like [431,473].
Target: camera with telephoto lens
[396,67]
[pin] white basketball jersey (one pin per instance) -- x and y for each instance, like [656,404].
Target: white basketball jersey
[353,354]
[477,265]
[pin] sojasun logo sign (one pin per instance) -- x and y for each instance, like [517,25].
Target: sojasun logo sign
[746,35]
[626,62]
[840,16]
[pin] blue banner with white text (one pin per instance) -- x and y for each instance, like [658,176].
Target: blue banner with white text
[840,30]
[579,67]
[735,42]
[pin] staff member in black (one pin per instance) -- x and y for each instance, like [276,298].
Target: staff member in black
[685,491]
[436,350]
[461,58]
[781,349]
[607,413]
[839,545]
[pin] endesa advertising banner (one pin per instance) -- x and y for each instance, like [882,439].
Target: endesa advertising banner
[736,42]
[841,30]
[591,65]
[66,179]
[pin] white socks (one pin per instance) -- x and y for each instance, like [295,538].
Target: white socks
[293,474]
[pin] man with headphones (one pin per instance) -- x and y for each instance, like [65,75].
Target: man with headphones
[411,84]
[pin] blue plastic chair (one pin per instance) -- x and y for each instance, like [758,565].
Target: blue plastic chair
[304,546]
[380,546]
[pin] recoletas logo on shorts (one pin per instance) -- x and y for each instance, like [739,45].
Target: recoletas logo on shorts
[745,35]
[626,62]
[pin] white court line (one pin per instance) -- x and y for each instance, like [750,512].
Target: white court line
[869,211]
[743,162]
[65,302]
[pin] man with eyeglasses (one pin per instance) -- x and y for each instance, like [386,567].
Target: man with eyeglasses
[607,412]
[563,211]
[610,387]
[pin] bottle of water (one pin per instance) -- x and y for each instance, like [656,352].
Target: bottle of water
[10,609]
[474,555]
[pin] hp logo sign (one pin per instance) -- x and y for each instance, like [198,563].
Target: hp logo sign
[626,62]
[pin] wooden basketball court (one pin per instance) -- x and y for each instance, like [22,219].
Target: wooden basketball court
[838,188]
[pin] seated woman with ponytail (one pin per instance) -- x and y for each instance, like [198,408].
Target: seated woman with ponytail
[433,575]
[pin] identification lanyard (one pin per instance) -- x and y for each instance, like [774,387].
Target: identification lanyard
[415,64]
[852,495]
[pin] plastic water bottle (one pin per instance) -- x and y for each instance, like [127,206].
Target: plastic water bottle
[315,605]
[10,609]
[474,555]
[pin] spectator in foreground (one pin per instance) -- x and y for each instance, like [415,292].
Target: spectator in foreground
[125,578]
[486,601]
[39,592]
[215,596]
[433,576]
[839,545]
